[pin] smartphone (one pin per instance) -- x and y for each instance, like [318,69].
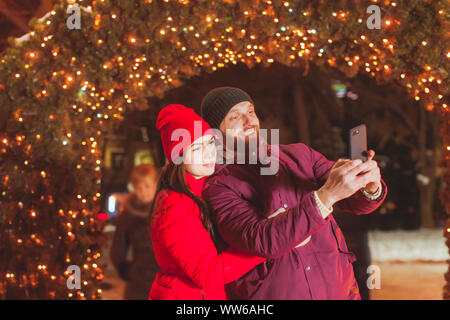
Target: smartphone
[358,142]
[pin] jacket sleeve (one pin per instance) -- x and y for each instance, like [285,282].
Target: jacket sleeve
[190,245]
[356,203]
[119,248]
[247,229]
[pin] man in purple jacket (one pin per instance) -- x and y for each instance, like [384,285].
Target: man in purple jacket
[307,257]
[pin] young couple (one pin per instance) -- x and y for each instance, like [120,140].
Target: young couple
[229,232]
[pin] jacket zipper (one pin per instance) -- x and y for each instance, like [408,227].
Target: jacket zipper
[203,295]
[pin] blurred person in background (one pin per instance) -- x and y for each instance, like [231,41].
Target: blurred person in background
[132,234]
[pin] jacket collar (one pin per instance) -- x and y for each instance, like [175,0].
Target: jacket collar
[195,184]
[134,206]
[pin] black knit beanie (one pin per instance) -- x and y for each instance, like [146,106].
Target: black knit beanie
[217,102]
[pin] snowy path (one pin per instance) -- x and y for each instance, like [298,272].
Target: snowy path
[416,245]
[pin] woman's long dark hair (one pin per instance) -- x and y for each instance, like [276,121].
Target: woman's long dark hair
[173,178]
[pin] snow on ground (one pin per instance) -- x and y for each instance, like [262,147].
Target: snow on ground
[415,245]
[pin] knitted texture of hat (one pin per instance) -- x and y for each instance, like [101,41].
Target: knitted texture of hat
[180,127]
[217,102]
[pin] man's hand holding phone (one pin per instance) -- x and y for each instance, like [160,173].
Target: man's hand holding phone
[372,174]
[349,176]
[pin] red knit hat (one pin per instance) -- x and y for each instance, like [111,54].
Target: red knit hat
[180,127]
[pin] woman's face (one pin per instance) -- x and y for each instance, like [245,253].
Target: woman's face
[200,157]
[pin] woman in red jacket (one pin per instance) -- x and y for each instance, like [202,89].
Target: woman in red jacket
[181,228]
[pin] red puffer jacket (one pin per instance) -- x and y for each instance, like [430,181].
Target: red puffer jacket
[191,267]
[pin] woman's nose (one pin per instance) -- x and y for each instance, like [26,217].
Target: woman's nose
[209,152]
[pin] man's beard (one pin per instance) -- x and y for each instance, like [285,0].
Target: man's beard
[245,148]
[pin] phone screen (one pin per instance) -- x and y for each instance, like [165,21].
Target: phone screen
[358,142]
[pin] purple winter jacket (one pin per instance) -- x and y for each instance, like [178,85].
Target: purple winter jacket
[241,199]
